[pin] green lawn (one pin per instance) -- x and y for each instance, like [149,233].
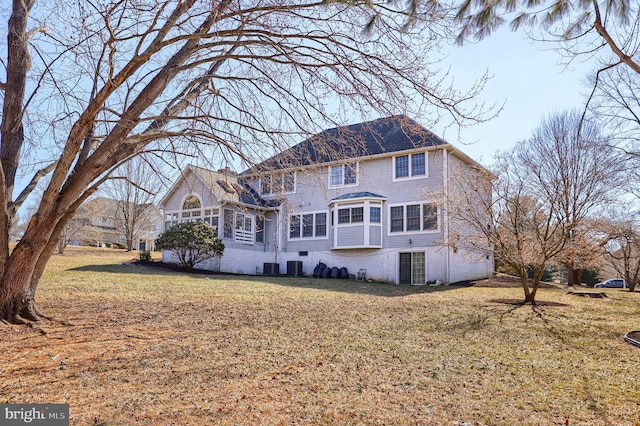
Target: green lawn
[153,347]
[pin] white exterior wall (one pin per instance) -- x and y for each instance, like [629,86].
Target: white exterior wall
[466,266]
[382,265]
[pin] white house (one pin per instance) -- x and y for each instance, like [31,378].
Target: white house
[368,197]
[102,221]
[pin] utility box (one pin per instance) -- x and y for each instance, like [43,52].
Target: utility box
[294,268]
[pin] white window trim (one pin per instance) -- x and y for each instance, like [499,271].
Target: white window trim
[190,217]
[410,177]
[365,215]
[255,229]
[224,224]
[273,180]
[301,238]
[378,206]
[243,236]
[343,185]
[172,218]
[404,219]
[192,194]
[366,223]
[426,264]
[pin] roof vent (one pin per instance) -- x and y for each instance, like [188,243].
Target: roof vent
[237,187]
[226,186]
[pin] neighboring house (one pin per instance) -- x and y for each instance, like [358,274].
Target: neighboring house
[368,197]
[148,227]
[99,222]
[94,224]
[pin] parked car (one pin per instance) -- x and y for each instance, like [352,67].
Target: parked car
[613,283]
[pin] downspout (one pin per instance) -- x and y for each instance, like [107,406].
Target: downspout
[278,239]
[445,185]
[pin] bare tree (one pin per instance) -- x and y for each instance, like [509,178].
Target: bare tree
[622,249]
[133,190]
[548,191]
[616,104]
[89,85]
[523,229]
[582,251]
[575,169]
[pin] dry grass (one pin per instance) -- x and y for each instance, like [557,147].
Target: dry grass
[154,347]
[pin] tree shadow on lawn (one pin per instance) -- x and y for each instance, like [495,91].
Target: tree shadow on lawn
[377,288]
[474,321]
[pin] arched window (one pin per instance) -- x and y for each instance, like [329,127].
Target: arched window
[192,202]
[191,209]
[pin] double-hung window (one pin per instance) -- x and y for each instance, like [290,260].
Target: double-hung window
[211,218]
[343,175]
[350,215]
[413,218]
[397,219]
[308,225]
[170,219]
[429,217]
[280,183]
[374,214]
[321,224]
[410,166]
[294,226]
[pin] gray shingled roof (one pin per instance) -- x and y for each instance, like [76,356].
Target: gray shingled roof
[355,195]
[229,188]
[384,135]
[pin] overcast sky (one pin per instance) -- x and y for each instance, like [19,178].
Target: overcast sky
[528,77]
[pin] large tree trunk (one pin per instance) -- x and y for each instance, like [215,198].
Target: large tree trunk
[130,243]
[20,307]
[26,265]
[524,280]
[17,301]
[532,294]
[21,270]
[574,275]
[529,291]
[62,244]
[21,278]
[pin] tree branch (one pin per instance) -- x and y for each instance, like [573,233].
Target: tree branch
[32,185]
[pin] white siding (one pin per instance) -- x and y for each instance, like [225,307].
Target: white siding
[313,195]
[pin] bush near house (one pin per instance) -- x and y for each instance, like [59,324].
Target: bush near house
[192,242]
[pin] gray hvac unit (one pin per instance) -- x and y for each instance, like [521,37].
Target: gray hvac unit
[271,269]
[294,268]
